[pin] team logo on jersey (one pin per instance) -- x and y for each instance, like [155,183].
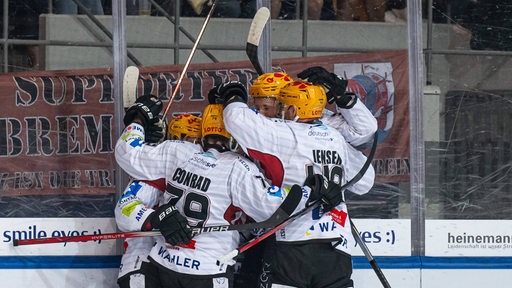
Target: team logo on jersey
[319,132]
[275,191]
[197,160]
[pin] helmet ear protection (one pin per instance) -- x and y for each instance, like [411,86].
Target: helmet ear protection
[184,125]
[269,84]
[309,99]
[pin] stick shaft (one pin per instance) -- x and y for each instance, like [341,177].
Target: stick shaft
[282,212]
[85,238]
[192,52]
[265,235]
[369,256]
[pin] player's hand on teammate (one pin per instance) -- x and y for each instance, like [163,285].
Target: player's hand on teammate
[334,86]
[324,190]
[173,226]
[156,132]
[144,111]
[229,92]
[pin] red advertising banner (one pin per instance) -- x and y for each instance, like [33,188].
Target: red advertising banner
[57,129]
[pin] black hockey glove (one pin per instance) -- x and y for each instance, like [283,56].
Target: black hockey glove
[155,133]
[324,190]
[334,86]
[145,109]
[227,93]
[173,226]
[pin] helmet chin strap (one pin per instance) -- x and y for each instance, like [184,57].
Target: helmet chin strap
[233,145]
[284,109]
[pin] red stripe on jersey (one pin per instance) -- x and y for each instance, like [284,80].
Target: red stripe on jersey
[158,184]
[272,166]
[234,215]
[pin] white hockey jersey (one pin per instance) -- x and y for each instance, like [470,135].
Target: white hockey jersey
[136,198]
[357,125]
[290,151]
[207,187]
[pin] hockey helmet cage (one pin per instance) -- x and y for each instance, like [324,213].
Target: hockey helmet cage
[309,99]
[184,125]
[213,121]
[269,84]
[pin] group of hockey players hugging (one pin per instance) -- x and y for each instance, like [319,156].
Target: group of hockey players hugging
[236,164]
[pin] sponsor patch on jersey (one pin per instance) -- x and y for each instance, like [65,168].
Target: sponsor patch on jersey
[199,161]
[276,192]
[136,142]
[128,209]
[339,216]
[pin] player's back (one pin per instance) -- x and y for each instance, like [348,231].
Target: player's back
[199,186]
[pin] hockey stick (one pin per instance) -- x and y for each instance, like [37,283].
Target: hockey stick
[253,39]
[131,76]
[369,256]
[192,52]
[283,212]
[304,211]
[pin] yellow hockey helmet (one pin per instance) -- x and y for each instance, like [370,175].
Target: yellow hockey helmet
[309,99]
[269,84]
[184,125]
[213,121]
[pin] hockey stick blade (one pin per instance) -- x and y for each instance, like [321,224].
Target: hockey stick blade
[253,39]
[283,212]
[131,76]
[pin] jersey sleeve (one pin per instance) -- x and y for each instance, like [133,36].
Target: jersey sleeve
[357,160]
[253,194]
[239,119]
[135,205]
[148,162]
[357,125]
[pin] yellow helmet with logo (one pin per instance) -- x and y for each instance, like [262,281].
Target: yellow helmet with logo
[309,99]
[269,84]
[184,125]
[213,121]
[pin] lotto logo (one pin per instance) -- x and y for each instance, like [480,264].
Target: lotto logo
[213,129]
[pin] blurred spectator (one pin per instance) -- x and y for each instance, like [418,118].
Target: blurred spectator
[490,23]
[317,9]
[439,11]
[69,7]
[396,11]
[361,10]
[24,24]
[224,8]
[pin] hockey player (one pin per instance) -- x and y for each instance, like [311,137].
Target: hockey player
[185,127]
[289,151]
[135,270]
[265,90]
[210,187]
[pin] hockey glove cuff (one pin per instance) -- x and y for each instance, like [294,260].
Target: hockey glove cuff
[155,133]
[173,226]
[324,190]
[346,101]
